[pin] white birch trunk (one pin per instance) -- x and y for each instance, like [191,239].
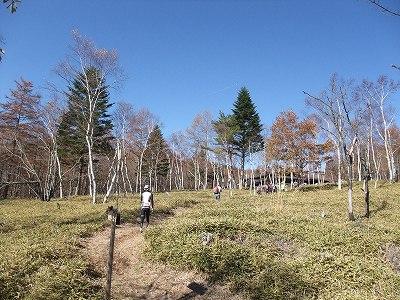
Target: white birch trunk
[116,169]
[59,176]
[359,169]
[91,176]
[339,167]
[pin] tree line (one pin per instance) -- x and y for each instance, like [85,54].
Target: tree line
[79,142]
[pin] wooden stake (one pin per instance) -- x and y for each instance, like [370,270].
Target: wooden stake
[110,258]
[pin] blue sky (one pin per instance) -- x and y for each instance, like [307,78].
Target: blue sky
[183,57]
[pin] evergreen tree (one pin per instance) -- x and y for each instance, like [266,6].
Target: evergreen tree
[226,129]
[249,127]
[75,121]
[155,159]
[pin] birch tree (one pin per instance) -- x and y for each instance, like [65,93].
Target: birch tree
[141,125]
[90,67]
[201,134]
[377,96]
[226,129]
[334,106]
[49,116]
[179,148]
[118,172]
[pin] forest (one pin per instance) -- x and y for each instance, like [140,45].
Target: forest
[79,142]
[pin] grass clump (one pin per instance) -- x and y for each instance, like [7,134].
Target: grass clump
[40,249]
[298,245]
[41,253]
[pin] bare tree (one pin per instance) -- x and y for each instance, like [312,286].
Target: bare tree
[179,147]
[141,125]
[226,129]
[85,56]
[118,173]
[376,97]
[29,137]
[201,134]
[19,127]
[49,116]
[335,107]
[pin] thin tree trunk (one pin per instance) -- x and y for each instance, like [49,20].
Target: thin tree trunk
[350,178]
[205,186]
[116,169]
[339,167]
[366,192]
[359,163]
[350,189]
[291,177]
[91,176]
[181,171]
[61,194]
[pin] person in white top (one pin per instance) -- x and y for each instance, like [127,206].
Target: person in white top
[217,192]
[146,203]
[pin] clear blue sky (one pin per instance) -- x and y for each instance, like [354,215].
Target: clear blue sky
[183,57]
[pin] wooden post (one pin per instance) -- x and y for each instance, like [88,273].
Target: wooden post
[110,257]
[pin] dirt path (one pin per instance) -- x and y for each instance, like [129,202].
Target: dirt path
[136,278]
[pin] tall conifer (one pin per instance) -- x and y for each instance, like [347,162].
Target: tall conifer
[155,160]
[74,122]
[249,127]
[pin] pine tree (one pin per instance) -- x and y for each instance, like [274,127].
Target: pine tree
[249,127]
[73,128]
[155,159]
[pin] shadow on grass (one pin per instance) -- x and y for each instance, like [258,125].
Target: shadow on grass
[380,208]
[259,277]
[197,290]
[277,281]
[90,218]
[317,187]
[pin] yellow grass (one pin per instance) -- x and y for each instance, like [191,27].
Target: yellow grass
[292,245]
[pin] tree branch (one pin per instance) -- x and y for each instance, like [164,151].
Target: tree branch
[396,67]
[375,2]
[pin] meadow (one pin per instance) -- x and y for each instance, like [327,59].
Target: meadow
[291,245]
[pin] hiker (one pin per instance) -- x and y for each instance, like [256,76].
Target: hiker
[146,202]
[217,192]
[259,189]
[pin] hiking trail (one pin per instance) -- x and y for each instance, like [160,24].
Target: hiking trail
[136,277]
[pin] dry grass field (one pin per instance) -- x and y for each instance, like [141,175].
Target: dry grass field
[292,245]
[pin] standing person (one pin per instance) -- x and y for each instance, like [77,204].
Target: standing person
[217,192]
[146,202]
